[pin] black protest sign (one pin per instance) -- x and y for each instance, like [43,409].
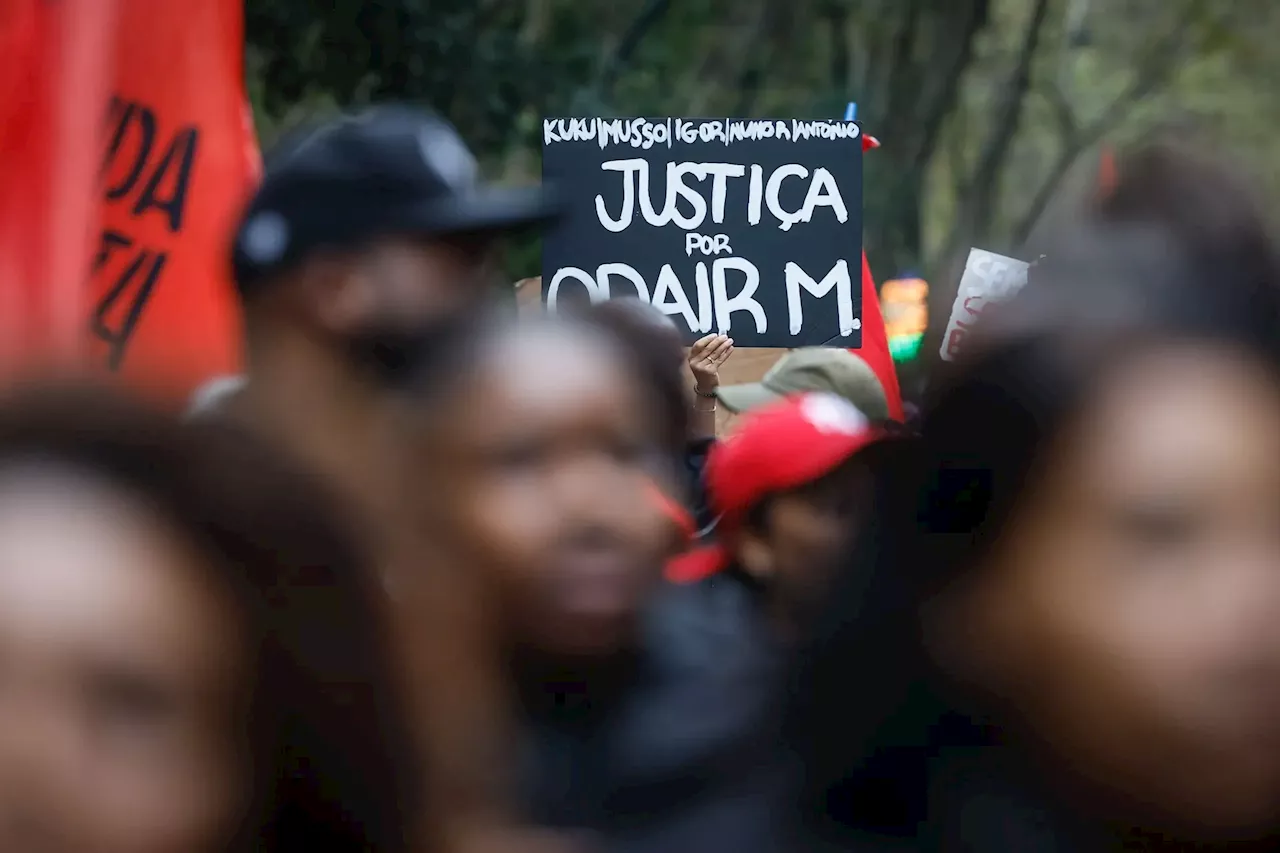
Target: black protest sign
[146,174]
[748,228]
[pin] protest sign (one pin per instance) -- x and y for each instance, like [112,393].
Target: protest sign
[988,279]
[751,229]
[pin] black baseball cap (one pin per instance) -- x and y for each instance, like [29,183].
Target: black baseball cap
[388,170]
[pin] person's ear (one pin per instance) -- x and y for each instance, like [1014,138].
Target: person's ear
[340,293]
[755,555]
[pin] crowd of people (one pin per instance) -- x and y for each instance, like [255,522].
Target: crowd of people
[439,575]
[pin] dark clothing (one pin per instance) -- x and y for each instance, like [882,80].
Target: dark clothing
[695,463]
[682,755]
[960,792]
[961,799]
[975,799]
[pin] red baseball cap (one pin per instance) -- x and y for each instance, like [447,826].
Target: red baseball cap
[773,449]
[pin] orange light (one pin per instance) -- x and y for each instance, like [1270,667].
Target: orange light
[905,303]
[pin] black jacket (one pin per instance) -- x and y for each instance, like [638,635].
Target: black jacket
[683,756]
[695,464]
[955,798]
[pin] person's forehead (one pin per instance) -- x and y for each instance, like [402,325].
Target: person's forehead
[552,363]
[1170,418]
[124,579]
[1160,378]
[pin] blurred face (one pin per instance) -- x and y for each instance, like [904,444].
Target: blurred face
[405,294]
[539,473]
[417,281]
[807,530]
[119,678]
[1131,611]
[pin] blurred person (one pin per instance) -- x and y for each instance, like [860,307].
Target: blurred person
[835,371]
[191,657]
[791,485]
[369,242]
[1162,182]
[1067,622]
[370,237]
[640,711]
[688,415]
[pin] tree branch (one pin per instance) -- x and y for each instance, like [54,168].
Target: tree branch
[1153,72]
[923,50]
[984,184]
[941,103]
[899,73]
[488,13]
[751,81]
[955,153]
[725,60]
[648,18]
[1008,116]
[1068,124]
[869,39]
[534,26]
[837,16]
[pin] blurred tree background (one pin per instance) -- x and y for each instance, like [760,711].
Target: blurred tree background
[991,111]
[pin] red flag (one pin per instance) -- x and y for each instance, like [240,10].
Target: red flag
[149,223]
[54,75]
[180,159]
[875,343]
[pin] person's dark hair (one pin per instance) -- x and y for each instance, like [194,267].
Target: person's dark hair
[331,751]
[1208,207]
[1131,276]
[655,345]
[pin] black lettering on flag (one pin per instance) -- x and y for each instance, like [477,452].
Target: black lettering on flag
[147,172]
[133,287]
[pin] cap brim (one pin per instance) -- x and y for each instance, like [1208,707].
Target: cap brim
[696,565]
[745,397]
[489,209]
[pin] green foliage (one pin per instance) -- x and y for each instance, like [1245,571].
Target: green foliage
[934,80]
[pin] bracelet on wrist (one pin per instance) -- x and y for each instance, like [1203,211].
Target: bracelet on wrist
[706,395]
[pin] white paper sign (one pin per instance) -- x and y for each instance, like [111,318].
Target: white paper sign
[988,278]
